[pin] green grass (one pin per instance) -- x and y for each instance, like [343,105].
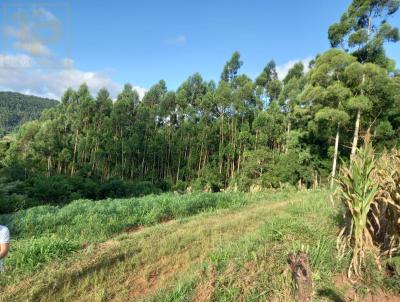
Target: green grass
[218,247]
[254,268]
[235,249]
[44,233]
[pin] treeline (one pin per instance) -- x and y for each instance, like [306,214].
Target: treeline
[17,108]
[234,134]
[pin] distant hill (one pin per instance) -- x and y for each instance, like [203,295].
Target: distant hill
[17,108]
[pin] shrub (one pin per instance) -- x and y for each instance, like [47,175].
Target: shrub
[141,188]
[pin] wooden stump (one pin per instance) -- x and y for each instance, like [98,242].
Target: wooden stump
[301,271]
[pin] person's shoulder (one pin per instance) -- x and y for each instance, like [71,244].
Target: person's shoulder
[4,234]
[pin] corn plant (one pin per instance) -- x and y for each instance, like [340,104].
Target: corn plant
[387,175]
[358,191]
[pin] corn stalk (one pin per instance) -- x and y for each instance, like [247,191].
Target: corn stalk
[358,191]
[387,175]
[370,191]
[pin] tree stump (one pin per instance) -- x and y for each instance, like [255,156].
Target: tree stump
[301,271]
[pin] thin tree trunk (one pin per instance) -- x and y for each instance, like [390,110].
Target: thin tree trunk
[48,165]
[179,166]
[356,134]
[75,149]
[357,127]
[335,156]
[221,146]
[287,138]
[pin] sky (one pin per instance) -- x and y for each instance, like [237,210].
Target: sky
[47,47]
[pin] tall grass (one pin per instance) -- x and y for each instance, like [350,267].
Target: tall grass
[47,232]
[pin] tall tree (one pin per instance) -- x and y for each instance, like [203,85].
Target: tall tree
[364,29]
[328,94]
[268,83]
[231,68]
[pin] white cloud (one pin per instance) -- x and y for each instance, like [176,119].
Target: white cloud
[20,73]
[15,61]
[181,39]
[282,70]
[29,72]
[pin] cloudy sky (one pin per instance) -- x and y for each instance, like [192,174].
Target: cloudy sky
[46,48]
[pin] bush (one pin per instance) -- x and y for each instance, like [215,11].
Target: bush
[180,185]
[55,189]
[14,202]
[112,188]
[141,188]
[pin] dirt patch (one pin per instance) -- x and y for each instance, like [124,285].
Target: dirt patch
[347,293]
[134,229]
[204,291]
[107,244]
[381,297]
[150,279]
[139,228]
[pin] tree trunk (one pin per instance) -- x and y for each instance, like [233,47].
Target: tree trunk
[287,137]
[301,271]
[221,146]
[75,149]
[355,138]
[335,156]
[48,165]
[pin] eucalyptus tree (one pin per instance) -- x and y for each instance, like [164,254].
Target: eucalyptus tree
[80,114]
[224,105]
[328,95]
[231,68]
[289,97]
[268,84]
[364,29]
[244,106]
[296,72]
[123,115]
[356,79]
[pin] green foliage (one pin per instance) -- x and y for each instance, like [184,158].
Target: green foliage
[17,108]
[238,133]
[364,28]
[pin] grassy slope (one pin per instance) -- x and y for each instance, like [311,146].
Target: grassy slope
[236,254]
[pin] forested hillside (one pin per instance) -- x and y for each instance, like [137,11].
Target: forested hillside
[17,108]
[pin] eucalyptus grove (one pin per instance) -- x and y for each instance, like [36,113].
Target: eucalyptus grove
[234,134]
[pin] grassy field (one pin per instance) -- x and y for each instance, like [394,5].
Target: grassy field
[209,247]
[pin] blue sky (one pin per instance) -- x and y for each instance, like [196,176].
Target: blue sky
[114,42]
